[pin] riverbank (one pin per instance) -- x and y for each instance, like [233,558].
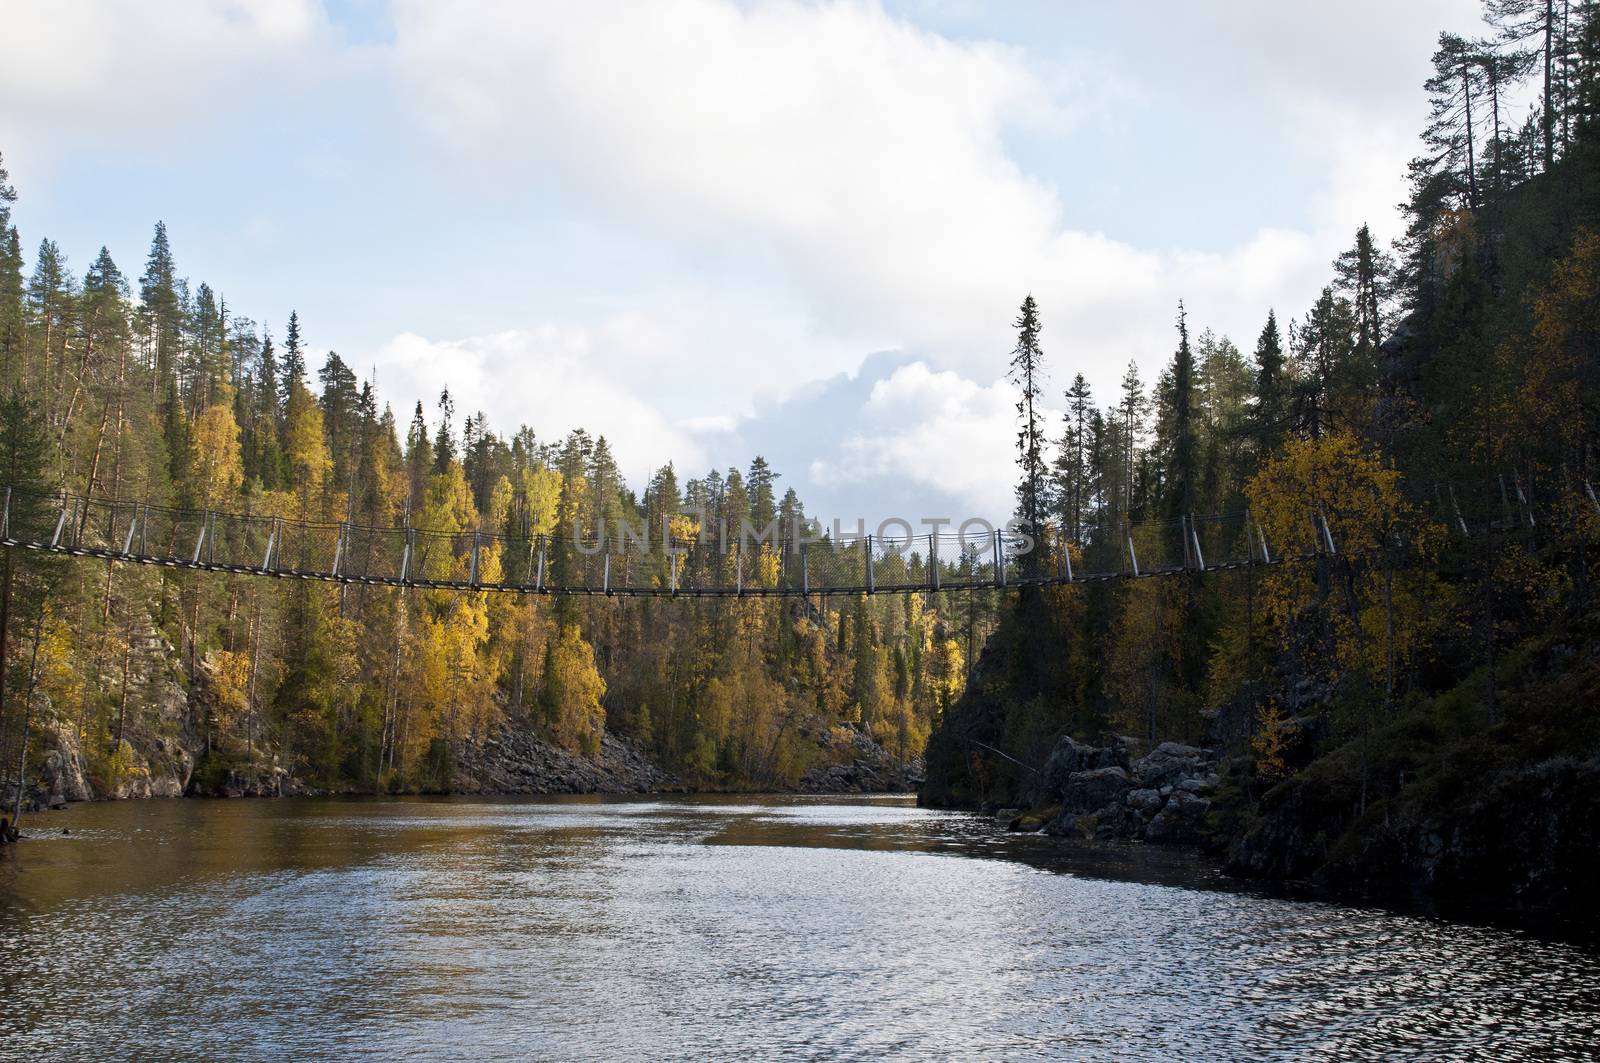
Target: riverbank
[1514,844]
[513,760]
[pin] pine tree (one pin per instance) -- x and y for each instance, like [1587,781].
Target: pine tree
[1538,22]
[48,314]
[1456,78]
[102,341]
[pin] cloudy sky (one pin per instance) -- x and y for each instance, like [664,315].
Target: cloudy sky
[706,228]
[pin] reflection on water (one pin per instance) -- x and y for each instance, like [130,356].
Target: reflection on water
[716,929]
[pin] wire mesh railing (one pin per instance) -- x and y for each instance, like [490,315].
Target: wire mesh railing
[631,564]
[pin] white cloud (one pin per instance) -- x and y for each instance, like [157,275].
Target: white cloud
[860,158]
[935,435]
[88,71]
[555,379]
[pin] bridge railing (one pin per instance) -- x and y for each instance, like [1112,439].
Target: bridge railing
[256,542]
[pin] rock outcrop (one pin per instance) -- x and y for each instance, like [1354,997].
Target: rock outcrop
[850,762]
[1162,797]
[515,761]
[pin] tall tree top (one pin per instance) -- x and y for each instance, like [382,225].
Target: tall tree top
[1027,374]
[294,357]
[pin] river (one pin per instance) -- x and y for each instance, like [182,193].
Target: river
[716,928]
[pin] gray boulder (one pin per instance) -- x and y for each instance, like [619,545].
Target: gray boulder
[1146,802]
[1089,791]
[1070,757]
[1118,821]
[1170,763]
[1180,819]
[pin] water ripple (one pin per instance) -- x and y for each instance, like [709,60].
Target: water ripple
[790,928]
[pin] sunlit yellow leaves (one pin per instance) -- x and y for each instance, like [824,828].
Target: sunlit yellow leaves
[1334,479]
[214,457]
[572,692]
[1269,742]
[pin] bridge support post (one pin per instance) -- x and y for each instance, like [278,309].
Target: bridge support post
[1321,534]
[605,574]
[999,558]
[933,561]
[5,520]
[127,540]
[805,572]
[200,540]
[1522,499]
[872,585]
[1066,556]
[1199,555]
[539,584]
[1266,556]
[1133,555]
[405,557]
[338,549]
[61,522]
[1455,505]
[472,566]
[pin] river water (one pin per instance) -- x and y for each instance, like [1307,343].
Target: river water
[716,928]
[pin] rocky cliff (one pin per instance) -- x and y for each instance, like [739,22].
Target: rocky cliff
[1103,792]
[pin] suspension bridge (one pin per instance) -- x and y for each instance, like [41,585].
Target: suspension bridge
[628,564]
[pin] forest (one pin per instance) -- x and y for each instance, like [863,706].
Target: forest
[154,389]
[1431,391]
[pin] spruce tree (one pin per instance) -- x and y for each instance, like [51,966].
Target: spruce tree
[1073,470]
[1027,375]
[11,328]
[340,414]
[158,291]
[1363,277]
[444,441]
[1181,452]
[294,360]
[761,485]
[1268,417]
[419,458]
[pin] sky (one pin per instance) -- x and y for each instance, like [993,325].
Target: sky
[707,229]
